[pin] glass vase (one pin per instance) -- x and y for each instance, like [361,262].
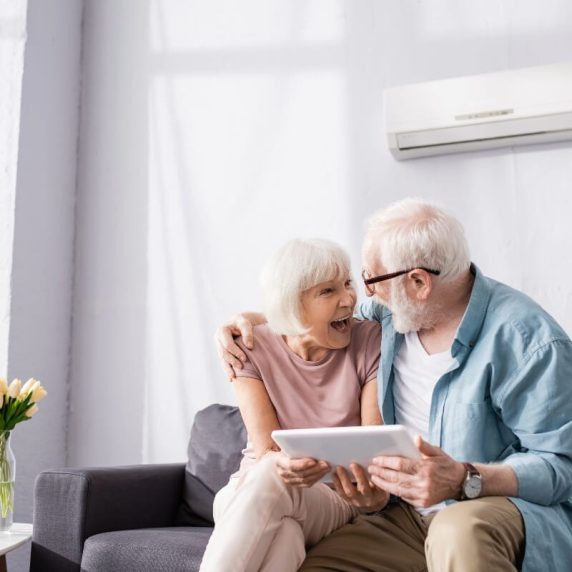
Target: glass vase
[7,478]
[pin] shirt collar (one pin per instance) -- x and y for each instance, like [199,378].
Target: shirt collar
[475,313]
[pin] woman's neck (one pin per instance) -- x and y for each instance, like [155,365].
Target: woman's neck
[305,347]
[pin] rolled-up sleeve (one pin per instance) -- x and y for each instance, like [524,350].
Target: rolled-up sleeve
[536,403]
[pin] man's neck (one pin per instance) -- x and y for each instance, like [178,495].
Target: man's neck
[450,312]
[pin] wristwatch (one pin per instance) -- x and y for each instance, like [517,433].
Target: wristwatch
[472,485]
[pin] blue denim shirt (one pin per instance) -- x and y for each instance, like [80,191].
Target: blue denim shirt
[508,399]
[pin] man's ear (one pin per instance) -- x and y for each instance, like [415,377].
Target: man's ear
[421,284]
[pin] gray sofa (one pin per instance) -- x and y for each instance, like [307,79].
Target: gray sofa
[143,518]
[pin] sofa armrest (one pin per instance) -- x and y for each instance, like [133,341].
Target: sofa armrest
[71,505]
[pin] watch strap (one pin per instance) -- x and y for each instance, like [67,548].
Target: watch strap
[471,471]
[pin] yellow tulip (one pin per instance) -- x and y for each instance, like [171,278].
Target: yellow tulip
[27,388]
[38,393]
[14,389]
[3,386]
[32,410]
[34,386]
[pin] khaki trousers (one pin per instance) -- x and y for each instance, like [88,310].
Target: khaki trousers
[262,524]
[480,535]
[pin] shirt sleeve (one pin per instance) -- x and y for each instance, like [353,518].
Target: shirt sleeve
[369,310]
[249,368]
[371,352]
[537,405]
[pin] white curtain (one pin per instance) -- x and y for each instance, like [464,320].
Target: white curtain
[262,120]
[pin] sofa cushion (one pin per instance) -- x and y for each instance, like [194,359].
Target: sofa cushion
[215,450]
[146,550]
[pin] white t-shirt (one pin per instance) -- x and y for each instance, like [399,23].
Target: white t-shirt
[415,375]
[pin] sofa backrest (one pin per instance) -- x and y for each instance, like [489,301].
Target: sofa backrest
[214,453]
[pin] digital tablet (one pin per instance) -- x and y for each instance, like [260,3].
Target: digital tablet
[346,445]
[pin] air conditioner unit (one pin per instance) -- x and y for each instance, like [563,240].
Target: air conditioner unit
[515,107]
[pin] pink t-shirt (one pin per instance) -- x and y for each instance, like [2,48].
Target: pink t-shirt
[307,394]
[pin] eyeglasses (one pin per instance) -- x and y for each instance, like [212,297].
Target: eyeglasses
[375,279]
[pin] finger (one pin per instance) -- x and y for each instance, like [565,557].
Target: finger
[313,473]
[401,464]
[245,327]
[296,464]
[225,343]
[397,488]
[229,371]
[303,467]
[391,488]
[362,481]
[345,481]
[228,362]
[426,449]
[338,487]
[387,474]
[232,360]
[312,480]
[308,480]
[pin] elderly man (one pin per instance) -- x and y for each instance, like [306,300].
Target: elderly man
[483,376]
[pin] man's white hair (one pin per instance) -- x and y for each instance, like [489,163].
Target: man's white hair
[294,268]
[412,233]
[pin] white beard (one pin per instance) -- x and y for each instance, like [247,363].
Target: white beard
[408,315]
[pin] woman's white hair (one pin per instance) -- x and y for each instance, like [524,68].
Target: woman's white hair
[294,268]
[412,233]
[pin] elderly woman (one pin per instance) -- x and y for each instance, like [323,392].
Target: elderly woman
[312,365]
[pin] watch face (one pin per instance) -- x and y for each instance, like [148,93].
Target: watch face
[472,487]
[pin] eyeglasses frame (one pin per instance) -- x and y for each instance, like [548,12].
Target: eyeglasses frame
[382,277]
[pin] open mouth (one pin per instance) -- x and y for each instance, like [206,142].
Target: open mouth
[342,325]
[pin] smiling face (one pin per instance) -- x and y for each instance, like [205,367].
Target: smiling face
[327,309]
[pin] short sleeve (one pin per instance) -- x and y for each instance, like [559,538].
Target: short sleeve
[249,368]
[368,350]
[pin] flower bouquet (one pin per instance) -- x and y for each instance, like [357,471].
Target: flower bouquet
[17,404]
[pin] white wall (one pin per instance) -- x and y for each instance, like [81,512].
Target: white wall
[212,131]
[42,264]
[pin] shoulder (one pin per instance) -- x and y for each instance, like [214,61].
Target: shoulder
[516,313]
[517,333]
[372,310]
[263,337]
[362,329]
[366,335]
[267,349]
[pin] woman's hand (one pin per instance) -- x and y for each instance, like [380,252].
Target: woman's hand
[364,495]
[300,472]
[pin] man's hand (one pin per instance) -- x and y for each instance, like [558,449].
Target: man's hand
[300,472]
[420,482]
[364,495]
[230,355]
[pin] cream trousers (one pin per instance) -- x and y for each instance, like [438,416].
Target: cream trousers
[262,524]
